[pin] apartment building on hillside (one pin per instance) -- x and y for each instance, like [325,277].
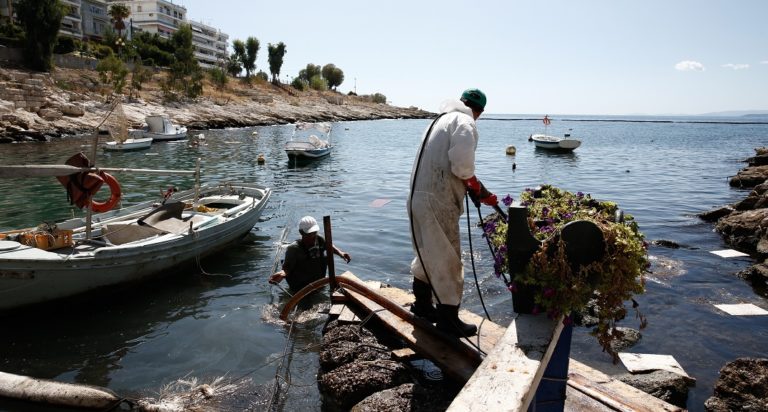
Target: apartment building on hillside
[210,44]
[72,23]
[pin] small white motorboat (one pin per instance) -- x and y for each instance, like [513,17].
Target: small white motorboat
[564,144]
[161,128]
[311,147]
[135,141]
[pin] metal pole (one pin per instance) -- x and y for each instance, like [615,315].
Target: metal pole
[329,251]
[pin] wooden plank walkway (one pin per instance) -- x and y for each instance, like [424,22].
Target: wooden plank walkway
[514,361]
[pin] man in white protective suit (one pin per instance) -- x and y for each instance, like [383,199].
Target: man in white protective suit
[443,172]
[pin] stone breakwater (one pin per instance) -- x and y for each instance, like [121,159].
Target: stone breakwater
[41,106]
[744,225]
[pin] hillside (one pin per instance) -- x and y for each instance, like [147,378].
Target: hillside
[40,106]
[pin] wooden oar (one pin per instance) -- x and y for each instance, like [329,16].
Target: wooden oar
[64,170]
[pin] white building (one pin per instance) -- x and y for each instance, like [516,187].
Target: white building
[210,44]
[72,23]
[155,16]
[96,20]
[164,18]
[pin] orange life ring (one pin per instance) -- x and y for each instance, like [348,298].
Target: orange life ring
[114,196]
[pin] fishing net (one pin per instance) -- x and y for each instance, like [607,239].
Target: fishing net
[115,122]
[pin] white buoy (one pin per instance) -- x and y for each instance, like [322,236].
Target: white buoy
[200,136]
[254,133]
[511,150]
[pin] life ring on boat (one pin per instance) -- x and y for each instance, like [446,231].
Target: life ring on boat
[114,195]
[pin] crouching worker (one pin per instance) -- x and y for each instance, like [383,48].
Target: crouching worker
[305,260]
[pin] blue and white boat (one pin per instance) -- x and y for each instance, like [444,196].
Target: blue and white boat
[311,146]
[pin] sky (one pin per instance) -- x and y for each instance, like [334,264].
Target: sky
[606,57]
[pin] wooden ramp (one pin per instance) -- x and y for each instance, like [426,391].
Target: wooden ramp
[502,367]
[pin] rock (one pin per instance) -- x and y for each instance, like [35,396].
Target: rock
[347,385]
[665,385]
[750,176]
[50,114]
[395,399]
[629,337]
[756,274]
[742,386]
[666,243]
[71,110]
[15,120]
[342,352]
[744,230]
[406,397]
[715,214]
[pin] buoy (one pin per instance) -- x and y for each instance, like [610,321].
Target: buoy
[254,133]
[260,160]
[200,136]
[511,150]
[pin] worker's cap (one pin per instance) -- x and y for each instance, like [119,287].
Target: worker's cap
[308,224]
[474,98]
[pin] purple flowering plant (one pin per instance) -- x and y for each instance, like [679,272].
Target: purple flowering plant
[605,284]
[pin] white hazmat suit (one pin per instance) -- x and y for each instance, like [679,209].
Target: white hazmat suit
[436,201]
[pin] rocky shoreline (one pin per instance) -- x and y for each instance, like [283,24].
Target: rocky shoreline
[744,225]
[43,106]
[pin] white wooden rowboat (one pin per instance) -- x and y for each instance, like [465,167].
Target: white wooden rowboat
[125,245]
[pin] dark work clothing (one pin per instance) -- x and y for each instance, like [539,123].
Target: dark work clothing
[304,265]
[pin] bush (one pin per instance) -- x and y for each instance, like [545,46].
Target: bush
[66,45]
[218,77]
[262,76]
[300,84]
[318,83]
[102,52]
[112,71]
[379,98]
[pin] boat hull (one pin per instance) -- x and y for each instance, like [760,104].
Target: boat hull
[129,144]
[555,143]
[30,276]
[306,150]
[179,134]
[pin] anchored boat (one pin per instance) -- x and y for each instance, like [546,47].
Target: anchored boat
[311,146]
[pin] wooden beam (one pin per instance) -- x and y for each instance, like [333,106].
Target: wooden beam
[510,374]
[613,392]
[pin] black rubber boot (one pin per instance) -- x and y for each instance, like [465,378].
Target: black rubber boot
[448,321]
[423,307]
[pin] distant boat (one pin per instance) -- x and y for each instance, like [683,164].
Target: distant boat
[128,144]
[545,141]
[564,144]
[135,141]
[161,128]
[311,147]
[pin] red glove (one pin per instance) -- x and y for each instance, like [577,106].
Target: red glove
[478,191]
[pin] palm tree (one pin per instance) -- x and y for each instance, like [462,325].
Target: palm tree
[119,12]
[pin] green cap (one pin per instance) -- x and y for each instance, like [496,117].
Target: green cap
[474,98]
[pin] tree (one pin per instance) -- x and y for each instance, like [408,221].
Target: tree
[41,20]
[276,53]
[333,75]
[119,12]
[112,71]
[251,51]
[309,72]
[232,65]
[185,74]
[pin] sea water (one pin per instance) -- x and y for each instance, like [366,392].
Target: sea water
[193,326]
